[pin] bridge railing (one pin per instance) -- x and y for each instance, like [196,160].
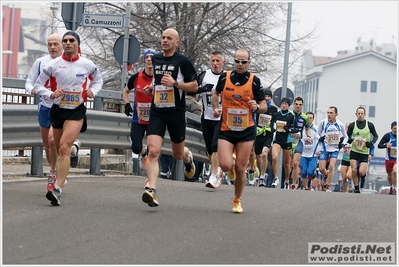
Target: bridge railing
[105,130]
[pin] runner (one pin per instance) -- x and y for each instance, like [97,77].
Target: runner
[388,142]
[332,137]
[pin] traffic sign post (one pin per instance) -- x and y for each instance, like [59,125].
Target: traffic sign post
[278,95]
[71,13]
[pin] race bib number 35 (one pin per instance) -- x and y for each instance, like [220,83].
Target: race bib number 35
[72,97]
[237,119]
[164,96]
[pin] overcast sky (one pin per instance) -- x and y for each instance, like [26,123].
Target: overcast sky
[341,23]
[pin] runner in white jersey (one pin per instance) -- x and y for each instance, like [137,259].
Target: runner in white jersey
[330,131]
[72,79]
[308,161]
[54,46]
[211,125]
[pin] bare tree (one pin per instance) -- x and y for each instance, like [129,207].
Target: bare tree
[203,27]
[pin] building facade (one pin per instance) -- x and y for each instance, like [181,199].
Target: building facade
[365,78]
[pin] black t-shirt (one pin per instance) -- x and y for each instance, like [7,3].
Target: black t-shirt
[181,69]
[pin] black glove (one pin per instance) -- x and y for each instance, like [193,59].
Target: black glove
[368,144]
[350,140]
[128,109]
[286,129]
[340,145]
[206,88]
[321,139]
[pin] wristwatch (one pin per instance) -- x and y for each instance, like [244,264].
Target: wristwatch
[176,84]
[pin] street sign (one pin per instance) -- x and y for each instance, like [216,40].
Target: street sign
[103,21]
[71,13]
[133,50]
[277,96]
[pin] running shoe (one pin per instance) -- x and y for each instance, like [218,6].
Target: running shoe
[54,196]
[189,169]
[251,177]
[213,182]
[237,207]
[147,184]
[75,158]
[327,188]
[393,191]
[51,178]
[293,186]
[231,174]
[276,181]
[286,185]
[150,198]
[143,161]
[262,182]
[356,191]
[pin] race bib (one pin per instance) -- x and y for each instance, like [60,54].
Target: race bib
[72,97]
[360,143]
[237,119]
[295,138]
[164,96]
[280,126]
[392,152]
[209,99]
[333,138]
[264,120]
[347,150]
[143,110]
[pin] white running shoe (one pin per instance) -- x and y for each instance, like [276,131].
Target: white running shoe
[276,181]
[213,182]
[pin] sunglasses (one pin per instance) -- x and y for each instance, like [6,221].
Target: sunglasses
[298,104]
[70,40]
[241,61]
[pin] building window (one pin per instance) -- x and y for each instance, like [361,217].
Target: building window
[363,86]
[373,88]
[371,111]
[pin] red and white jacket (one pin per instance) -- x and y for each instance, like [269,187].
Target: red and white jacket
[69,72]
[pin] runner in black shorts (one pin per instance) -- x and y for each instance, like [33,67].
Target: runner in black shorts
[264,137]
[69,77]
[207,81]
[282,123]
[174,75]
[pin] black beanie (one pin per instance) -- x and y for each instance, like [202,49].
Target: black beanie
[74,34]
[286,100]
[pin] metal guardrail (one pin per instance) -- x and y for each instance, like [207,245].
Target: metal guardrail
[104,130]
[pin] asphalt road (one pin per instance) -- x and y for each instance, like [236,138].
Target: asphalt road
[102,220]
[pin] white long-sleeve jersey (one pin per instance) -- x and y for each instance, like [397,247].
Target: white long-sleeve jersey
[332,133]
[34,73]
[311,148]
[64,72]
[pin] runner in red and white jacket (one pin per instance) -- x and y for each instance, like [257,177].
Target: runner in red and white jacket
[72,79]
